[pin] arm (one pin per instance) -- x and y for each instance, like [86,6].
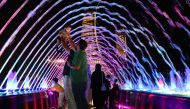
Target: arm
[73,46]
[63,41]
[92,81]
[73,67]
[78,63]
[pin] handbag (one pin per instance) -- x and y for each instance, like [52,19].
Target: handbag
[103,86]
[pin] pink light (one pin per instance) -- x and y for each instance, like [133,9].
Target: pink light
[12,37]
[121,106]
[1,53]
[170,21]
[184,18]
[161,83]
[151,95]
[12,17]
[2,3]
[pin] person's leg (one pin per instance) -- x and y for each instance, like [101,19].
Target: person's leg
[111,100]
[69,94]
[105,97]
[79,95]
[87,92]
[60,100]
[97,99]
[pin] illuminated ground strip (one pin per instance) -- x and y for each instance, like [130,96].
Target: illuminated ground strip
[128,68]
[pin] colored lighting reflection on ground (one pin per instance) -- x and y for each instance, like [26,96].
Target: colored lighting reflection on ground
[185,93]
[28,100]
[17,92]
[133,99]
[120,106]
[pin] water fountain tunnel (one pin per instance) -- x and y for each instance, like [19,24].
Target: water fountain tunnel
[144,44]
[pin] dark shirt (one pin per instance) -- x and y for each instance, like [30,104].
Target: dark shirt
[108,85]
[114,91]
[66,69]
[115,87]
[96,80]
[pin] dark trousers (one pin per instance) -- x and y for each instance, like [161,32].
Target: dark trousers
[79,95]
[98,99]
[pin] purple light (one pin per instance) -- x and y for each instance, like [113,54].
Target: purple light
[121,106]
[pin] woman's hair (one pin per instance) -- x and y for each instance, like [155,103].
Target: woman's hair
[115,80]
[98,67]
[67,25]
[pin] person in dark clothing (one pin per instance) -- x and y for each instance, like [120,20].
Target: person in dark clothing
[96,83]
[113,94]
[107,92]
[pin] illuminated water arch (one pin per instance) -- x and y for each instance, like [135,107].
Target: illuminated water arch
[12,67]
[142,48]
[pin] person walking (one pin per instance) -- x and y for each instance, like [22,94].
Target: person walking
[97,81]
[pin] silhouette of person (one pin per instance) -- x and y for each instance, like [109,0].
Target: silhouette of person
[98,77]
[113,94]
